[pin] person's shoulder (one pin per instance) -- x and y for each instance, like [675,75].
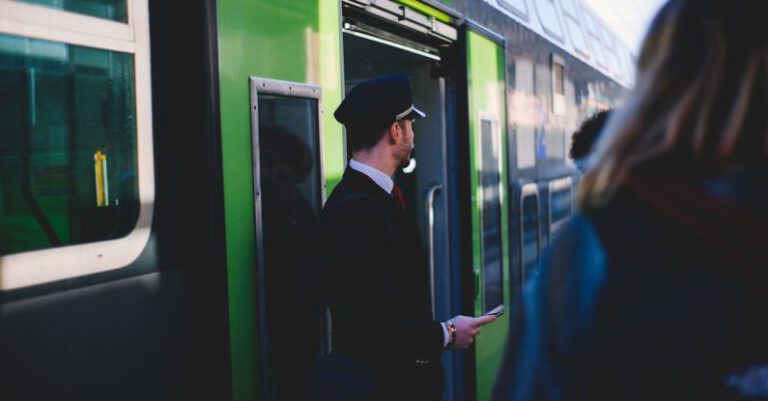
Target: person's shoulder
[349,203]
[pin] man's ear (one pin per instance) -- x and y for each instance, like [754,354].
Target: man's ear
[394,132]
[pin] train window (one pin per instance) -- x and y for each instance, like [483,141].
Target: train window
[574,27]
[115,10]
[490,184]
[550,19]
[288,197]
[560,202]
[593,29]
[68,158]
[529,231]
[77,184]
[518,7]
[558,85]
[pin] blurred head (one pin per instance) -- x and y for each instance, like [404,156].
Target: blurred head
[699,105]
[583,140]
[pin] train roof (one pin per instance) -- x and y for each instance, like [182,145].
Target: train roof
[572,26]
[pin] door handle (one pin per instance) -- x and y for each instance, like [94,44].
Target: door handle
[430,207]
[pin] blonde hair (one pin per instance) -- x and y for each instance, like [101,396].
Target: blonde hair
[699,104]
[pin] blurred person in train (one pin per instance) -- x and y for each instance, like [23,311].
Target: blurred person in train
[386,345]
[583,140]
[656,289]
[293,311]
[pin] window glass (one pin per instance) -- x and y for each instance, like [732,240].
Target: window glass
[560,206]
[558,76]
[577,35]
[569,7]
[517,6]
[613,60]
[68,156]
[594,35]
[288,144]
[550,18]
[114,10]
[490,180]
[288,138]
[530,223]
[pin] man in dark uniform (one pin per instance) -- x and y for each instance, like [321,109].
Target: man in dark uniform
[386,343]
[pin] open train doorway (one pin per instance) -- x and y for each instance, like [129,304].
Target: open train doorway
[372,53]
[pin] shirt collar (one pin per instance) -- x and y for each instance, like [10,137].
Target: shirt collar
[381,179]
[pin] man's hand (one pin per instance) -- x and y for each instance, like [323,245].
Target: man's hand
[467,328]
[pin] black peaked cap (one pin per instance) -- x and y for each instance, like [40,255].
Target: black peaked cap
[378,101]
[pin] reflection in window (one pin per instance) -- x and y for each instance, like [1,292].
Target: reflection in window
[530,236]
[114,10]
[68,161]
[560,207]
[490,182]
[288,139]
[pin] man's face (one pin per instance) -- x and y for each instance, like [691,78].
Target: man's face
[406,145]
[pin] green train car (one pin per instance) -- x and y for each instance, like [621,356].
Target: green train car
[163,164]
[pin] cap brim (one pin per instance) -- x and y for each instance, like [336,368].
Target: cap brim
[412,114]
[416,113]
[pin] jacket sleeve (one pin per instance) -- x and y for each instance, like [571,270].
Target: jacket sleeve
[360,238]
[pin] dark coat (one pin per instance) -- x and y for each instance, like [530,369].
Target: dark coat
[660,295]
[377,289]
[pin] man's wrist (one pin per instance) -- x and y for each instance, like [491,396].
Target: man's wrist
[451,335]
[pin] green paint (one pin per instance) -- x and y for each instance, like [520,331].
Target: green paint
[293,41]
[487,97]
[427,10]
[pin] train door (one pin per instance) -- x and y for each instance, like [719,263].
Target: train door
[288,193]
[374,47]
[486,127]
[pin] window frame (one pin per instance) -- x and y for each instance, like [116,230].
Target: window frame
[498,145]
[289,89]
[558,98]
[529,189]
[31,21]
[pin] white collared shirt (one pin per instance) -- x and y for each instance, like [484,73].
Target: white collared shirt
[379,177]
[385,182]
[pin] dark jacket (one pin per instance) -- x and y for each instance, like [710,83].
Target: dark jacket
[660,295]
[377,289]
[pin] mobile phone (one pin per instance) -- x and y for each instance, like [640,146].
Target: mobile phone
[497,311]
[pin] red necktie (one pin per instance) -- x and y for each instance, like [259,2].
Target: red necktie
[398,196]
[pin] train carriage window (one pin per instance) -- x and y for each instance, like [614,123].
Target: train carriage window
[560,202]
[549,17]
[558,85]
[490,183]
[518,7]
[574,27]
[529,231]
[68,155]
[593,29]
[115,10]
[76,169]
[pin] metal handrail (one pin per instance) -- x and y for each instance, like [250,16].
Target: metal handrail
[430,207]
